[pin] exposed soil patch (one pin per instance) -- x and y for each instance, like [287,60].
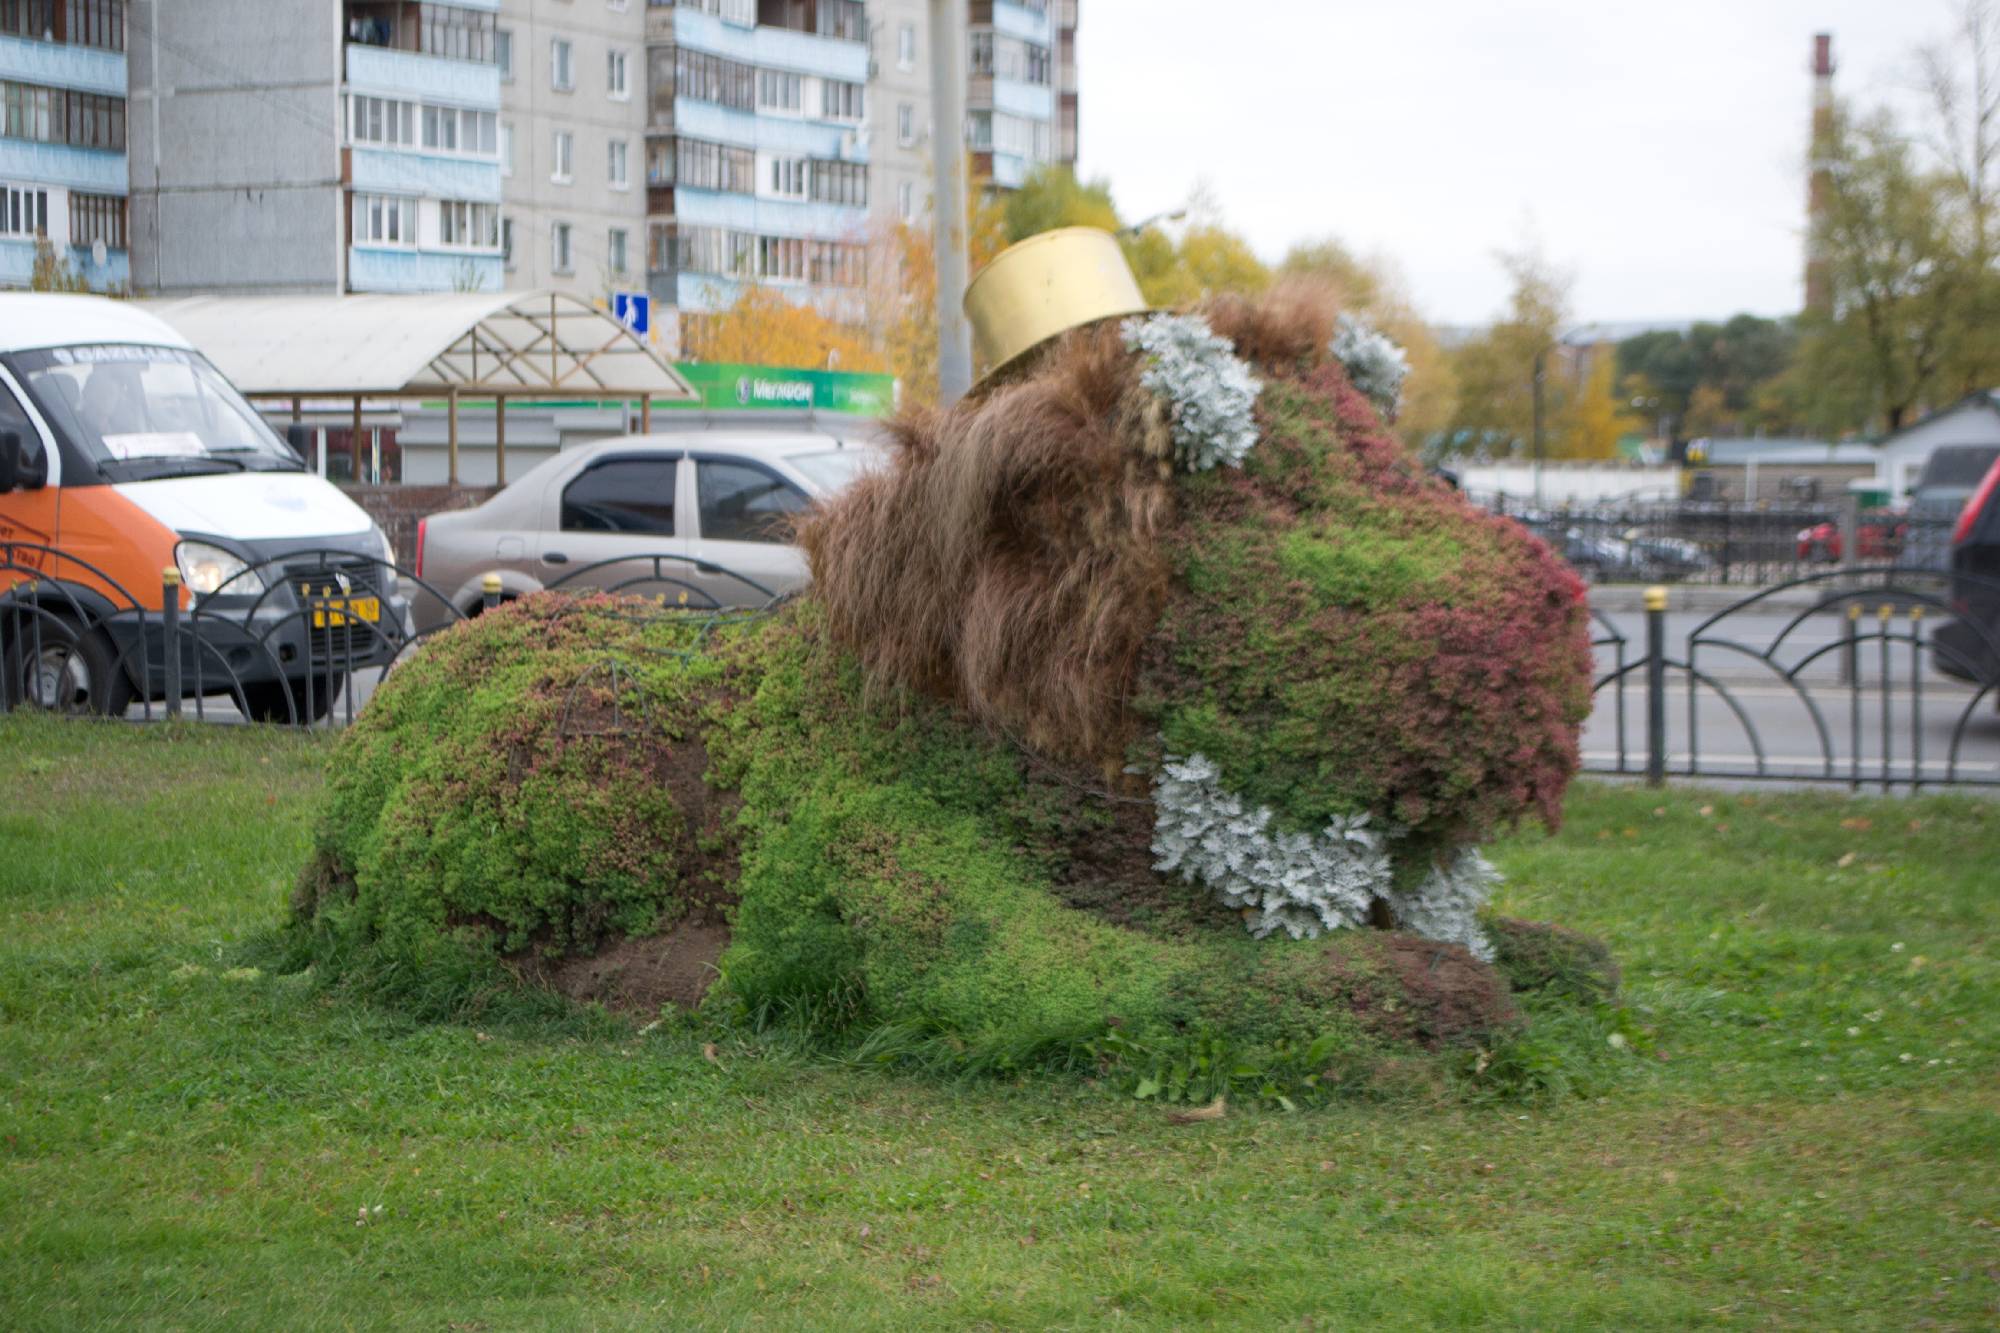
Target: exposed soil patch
[642,974]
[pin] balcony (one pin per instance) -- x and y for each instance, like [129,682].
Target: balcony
[386,270]
[411,75]
[771,47]
[54,65]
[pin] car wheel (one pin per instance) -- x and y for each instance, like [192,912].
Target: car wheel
[284,701]
[53,665]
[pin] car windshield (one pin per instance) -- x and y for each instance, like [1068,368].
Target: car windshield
[150,411]
[1957,467]
[834,470]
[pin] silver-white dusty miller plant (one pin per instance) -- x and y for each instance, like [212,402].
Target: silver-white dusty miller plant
[1304,883]
[1445,904]
[1373,361]
[1209,391]
[1301,882]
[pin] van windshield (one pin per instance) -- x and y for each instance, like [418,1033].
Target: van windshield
[144,412]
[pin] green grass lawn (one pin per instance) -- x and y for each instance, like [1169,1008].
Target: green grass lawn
[1802,1129]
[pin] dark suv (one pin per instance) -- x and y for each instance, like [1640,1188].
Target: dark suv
[1969,646]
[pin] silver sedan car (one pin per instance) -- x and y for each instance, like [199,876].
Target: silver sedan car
[706,514]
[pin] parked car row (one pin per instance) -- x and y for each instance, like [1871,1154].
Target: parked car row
[136,482]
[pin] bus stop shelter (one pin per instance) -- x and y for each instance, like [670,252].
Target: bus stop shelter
[451,346]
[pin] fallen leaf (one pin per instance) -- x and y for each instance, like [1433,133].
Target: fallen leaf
[1846,860]
[1215,1110]
[708,1053]
[1859,824]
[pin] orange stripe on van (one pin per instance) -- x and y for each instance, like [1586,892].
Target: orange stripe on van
[118,537]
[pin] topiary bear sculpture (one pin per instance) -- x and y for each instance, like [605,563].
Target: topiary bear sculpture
[1155,689]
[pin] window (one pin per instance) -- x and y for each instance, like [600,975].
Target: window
[99,23]
[96,217]
[506,149]
[840,183]
[982,53]
[381,120]
[468,226]
[503,51]
[614,249]
[617,85]
[743,503]
[788,177]
[779,91]
[618,165]
[33,19]
[906,124]
[707,78]
[507,242]
[1037,64]
[559,256]
[57,115]
[623,495]
[385,219]
[565,144]
[906,46]
[906,202]
[454,32]
[782,258]
[23,212]
[840,101]
[711,166]
[561,76]
[450,129]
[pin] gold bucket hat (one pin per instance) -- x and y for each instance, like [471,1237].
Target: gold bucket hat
[1046,285]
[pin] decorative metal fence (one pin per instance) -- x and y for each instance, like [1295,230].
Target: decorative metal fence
[1833,677]
[286,640]
[1735,543]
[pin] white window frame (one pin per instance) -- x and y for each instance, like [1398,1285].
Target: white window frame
[906,124]
[503,53]
[378,210]
[618,164]
[24,210]
[562,65]
[562,257]
[906,46]
[562,167]
[906,202]
[618,250]
[618,74]
[507,243]
[468,216]
[789,178]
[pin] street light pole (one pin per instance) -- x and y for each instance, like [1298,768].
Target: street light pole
[1540,356]
[949,58]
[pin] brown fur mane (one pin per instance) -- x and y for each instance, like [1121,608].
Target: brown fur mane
[1007,560]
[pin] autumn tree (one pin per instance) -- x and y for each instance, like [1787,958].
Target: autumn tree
[1375,290]
[1901,286]
[763,326]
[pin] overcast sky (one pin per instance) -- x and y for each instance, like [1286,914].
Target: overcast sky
[1654,149]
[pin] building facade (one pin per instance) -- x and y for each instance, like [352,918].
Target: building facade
[315,145]
[573,144]
[63,127]
[757,152]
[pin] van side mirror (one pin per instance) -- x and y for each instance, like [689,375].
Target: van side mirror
[17,471]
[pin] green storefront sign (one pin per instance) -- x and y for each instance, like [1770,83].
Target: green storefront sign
[728,388]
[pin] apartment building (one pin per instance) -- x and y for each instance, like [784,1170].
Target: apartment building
[1021,95]
[315,146]
[757,151]
[62,138]
[573,144]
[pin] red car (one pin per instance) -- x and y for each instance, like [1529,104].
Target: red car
[1881,539]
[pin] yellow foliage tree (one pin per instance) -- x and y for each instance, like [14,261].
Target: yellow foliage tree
[1594,415]
[763,327]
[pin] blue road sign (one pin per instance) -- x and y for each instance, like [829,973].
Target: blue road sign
[634,310]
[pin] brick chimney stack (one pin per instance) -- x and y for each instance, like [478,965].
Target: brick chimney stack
[1819,293]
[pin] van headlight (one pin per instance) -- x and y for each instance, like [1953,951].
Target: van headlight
[205,569]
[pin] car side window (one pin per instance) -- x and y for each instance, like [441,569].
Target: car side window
[14,417]
[623,495]
[741,502]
